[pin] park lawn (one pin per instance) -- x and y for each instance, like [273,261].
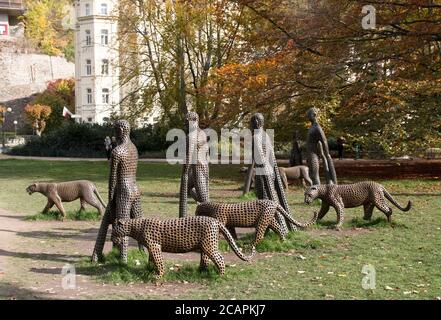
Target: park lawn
[318,263]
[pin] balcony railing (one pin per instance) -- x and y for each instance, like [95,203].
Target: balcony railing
[12,4]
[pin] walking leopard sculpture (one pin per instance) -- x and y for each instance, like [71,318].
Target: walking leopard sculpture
[57,193]
[178,236]
[260,214]
[292,173]
[369,194]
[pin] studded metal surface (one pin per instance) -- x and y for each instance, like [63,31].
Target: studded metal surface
[57,193]
[369,194]
[195,170]
[316,148]
[178,236]
[267,182]
[259,214]
[124,195]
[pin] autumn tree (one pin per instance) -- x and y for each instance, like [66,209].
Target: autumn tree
[58,94]
[177,44]
[37,115]
[375,85]
[44,26]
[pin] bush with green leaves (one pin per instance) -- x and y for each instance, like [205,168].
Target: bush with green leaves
[87,140]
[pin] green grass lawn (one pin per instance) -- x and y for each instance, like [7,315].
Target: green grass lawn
[317,263]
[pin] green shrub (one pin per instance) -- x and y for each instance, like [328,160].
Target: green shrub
[87,140]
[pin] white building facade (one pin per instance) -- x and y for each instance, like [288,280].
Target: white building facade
[97,87]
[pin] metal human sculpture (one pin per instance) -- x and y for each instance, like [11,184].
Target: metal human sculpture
[179,236]
[368,194]
[124,195]
[295,158]
[317,147]
[267,181]
[195,171]
[259,214]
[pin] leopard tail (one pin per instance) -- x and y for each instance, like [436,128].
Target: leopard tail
[395,203]
[233,244]
[95,191]
[295,222]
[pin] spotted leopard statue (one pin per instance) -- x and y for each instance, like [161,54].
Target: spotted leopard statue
[178,236]
[369,194]
[68,191]
[260,214]
[293,173]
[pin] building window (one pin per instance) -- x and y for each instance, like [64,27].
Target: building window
[88,38]
[105,67]
[88,9]
[105,96]
[104,9]
[89,119]
[88,67]
[104,37]
[89,95]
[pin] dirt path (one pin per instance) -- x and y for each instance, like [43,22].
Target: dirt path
[33,254]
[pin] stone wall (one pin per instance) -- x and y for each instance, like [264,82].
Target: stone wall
[24,73]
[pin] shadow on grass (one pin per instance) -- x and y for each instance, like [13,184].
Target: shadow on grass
[138,270]
[70,215]
[379,222]
[295,240]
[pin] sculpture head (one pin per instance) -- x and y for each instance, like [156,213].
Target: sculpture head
[191,120]
[311,193]
[257,121]
[32,188]
[312,114]
[122,130]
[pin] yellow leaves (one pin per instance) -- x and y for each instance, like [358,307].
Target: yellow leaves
[37,112]
[43,20]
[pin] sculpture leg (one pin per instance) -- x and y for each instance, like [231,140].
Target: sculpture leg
[204,261]
[156,254]
[368,210]
[49,205]
[313,164]
[123,211]
[101,239]
[201,183]
[136,213]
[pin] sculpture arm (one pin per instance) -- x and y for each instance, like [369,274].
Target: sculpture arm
[114,162]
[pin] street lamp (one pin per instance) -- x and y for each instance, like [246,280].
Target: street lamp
[15,128]
[3,124]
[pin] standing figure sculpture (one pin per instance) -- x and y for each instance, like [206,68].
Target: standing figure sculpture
[317,147]
[124,195]
[267,181]
[195,173]
[296,153]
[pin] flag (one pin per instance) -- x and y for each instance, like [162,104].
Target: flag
[67,113]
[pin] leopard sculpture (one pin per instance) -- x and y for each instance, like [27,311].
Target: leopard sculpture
[368,193]
[57,193]
[178,236]
[260,214]
[292,173]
